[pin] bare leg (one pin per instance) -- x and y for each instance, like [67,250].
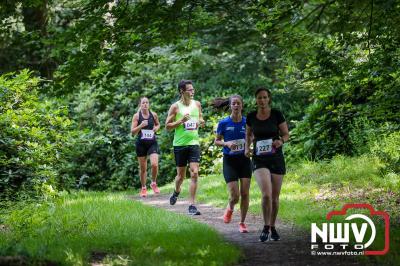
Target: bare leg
[276,190]
[263,177]
[194,174]
[244,198]
[143,170]
[180,176]
[233,188]
[154,166]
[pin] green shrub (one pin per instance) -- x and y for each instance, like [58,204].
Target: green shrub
[387,148]
[352,101]
[34,136]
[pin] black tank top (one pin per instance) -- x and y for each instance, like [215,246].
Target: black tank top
[150,126]
[265,129]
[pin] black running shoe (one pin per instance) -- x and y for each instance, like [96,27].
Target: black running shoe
[173,198]
[193,210]
[274,234]
[264,235]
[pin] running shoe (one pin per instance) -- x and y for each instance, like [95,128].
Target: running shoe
[264,235]
[243,228]
[228,216]
[274,234]
[173,198]
[143,192]
[154,187]
[193,210]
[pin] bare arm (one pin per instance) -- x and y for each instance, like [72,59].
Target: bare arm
[135,128]
[249,138]
[201,120]
[170,123]
[156,122]
[220,142]
[283,127]
[284,132]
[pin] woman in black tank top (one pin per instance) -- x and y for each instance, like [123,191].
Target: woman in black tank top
[143,134]
[145,124]
[269,131]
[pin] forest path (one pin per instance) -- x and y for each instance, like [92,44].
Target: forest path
[292,249]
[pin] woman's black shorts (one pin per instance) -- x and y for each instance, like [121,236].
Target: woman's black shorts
[144,148]
[274,163]
[235,167]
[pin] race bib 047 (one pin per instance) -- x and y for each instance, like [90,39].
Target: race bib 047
[190,125]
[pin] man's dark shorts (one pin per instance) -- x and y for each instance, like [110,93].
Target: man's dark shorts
[186,154]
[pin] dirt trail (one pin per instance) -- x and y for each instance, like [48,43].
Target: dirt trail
[293,249]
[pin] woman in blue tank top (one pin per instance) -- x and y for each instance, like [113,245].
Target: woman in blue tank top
[236,166]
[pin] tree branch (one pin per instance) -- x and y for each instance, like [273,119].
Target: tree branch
[370,27]
[318,18]
[306,17]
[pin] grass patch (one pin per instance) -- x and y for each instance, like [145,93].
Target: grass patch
[86,226]
[312,189]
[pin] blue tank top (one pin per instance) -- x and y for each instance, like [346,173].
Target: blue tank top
[233,131]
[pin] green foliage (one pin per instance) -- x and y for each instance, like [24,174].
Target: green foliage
[387,148]
[112,225]
[33,137]
[381,141]
[346,98]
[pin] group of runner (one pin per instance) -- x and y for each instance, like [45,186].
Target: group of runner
[265,129]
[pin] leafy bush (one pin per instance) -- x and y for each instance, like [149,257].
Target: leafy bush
[352,101]
[34,136]
[387,148]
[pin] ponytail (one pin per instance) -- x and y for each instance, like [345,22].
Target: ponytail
[220,103]
[224,103]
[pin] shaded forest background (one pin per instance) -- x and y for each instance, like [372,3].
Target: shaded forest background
[72,72]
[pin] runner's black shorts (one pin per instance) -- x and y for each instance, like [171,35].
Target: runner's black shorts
[186,154]
[236,167]
[144,148]
[275,163]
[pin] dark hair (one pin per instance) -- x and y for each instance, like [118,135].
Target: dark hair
[224,103]
[182,84]
[266,90]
